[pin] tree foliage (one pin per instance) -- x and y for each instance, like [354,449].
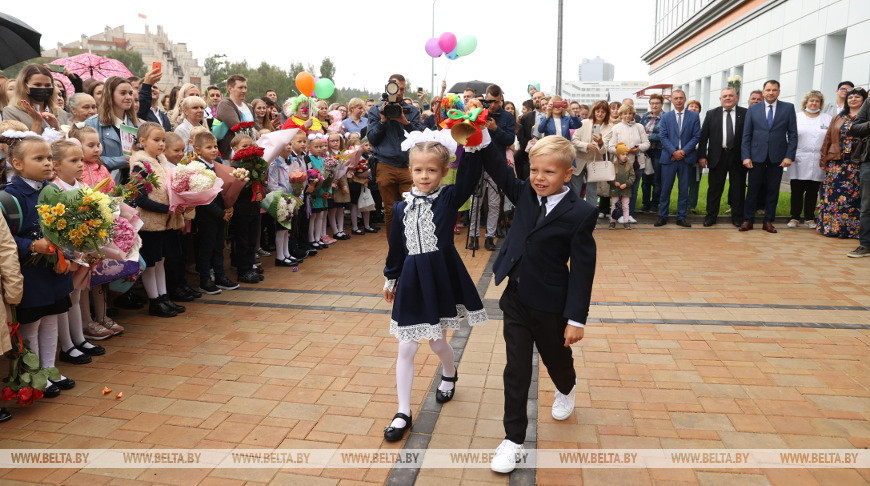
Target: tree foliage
[131,59]
[269,76]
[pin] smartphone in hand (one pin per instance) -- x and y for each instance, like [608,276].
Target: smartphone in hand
[157,65]
[56,68]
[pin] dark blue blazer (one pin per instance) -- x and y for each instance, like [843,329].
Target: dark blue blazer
[42,286]
[545,282]
[505,135]
[670,138]
[145,113]
[778,142]
[548,126]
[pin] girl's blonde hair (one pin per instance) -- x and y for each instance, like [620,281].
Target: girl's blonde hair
[145,129]
[106,110]
[60,148]
[79,132]
[28,72]
[18,150]
[172,137]
[176,116]
[238,139]
[435,148]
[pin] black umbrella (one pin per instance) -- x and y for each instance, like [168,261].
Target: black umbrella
[18,41]
[479,87]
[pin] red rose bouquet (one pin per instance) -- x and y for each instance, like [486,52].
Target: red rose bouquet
[26,378]
[251,159]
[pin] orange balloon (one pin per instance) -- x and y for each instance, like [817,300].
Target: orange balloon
[305,83]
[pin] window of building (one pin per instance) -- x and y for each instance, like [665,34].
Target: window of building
[805,68]
[774,66]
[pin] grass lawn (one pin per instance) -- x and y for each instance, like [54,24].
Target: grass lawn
[782,208]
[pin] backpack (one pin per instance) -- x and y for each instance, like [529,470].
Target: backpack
[11,209]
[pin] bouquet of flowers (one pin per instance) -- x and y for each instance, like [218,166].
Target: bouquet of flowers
[244,127]
[734,82]
[77,221]
[282,206]
[251,159]
[297,180]
[26,379]
[315,178]
[330,172]
[122,253]
[192,185]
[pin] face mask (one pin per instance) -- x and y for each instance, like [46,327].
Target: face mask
[41,94]
[813,111]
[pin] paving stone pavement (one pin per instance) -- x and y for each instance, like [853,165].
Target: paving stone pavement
[697,338]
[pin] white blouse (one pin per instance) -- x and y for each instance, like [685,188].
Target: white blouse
[811,135]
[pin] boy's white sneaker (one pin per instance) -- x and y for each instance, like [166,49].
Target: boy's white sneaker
[563,405]
[506,457]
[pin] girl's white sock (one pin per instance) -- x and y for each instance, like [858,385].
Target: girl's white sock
[405,378]
[149,280]
[160,274]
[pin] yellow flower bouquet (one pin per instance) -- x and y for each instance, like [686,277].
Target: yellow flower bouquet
[77,221]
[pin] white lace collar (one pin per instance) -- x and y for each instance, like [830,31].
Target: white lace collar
[412,196]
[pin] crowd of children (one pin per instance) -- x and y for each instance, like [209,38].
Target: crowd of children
[60,306]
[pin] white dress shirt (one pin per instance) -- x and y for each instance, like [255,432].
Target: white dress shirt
[767,109]
[552,201]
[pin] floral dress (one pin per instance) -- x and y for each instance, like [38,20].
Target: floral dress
[840,196]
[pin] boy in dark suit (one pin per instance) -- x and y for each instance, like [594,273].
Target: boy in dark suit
[545,303]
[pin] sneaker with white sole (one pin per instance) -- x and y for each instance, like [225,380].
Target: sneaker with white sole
[631,219]
[621,219]
[793,223]
[861,251]
[563,405]
[94,331]
[811,224]
[506,457]
[112,326]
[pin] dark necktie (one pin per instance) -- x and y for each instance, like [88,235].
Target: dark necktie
[543,212]
[769,116]
[729,130]
[680,130]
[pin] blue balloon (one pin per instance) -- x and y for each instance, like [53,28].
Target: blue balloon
[452,55]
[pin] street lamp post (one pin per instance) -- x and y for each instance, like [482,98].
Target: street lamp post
[432,78]
[559,54]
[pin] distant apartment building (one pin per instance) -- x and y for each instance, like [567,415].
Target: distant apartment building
[179,66]
[596,70]
[588,92]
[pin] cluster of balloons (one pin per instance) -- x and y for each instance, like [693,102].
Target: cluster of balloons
[308,85]
[448,45]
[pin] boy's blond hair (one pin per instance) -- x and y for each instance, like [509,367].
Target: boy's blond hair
[557,146]
[202,138]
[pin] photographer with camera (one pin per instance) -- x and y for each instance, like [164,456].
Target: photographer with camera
[387,125]
[501,126]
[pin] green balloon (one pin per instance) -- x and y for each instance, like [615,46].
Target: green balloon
[324,88]
[466,45]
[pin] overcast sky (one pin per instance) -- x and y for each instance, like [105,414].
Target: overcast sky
[516,39]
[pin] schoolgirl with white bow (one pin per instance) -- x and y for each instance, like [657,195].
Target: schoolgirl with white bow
[426,279]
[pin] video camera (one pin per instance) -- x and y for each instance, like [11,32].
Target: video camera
[393,109]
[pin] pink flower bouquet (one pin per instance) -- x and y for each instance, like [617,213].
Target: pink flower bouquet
[192,185]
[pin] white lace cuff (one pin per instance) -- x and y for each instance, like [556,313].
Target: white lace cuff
[485,143]
[389,284]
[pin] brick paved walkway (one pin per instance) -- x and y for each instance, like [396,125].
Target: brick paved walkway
[701,338]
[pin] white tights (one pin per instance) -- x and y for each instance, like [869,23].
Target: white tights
[354,216]
[42,335]
[315,226]
[282,244]
[405,371]
[154,280]
[69,326]
[336,220]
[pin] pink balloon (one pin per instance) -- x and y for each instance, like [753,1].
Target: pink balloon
[447,42]
[432,47]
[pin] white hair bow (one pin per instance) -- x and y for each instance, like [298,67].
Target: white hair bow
[441,136]
[315,136]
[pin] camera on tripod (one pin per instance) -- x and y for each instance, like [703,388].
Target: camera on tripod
[393,109]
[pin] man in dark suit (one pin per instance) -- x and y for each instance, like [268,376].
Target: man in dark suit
[524,134]
[719,152]
[679,130]
[769,145]
[149,95]
[546,303]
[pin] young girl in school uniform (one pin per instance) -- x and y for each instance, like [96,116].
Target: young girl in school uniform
[74,348]
[158,220]
[434,290]
[46,292]
[317,223]
[279,180]
[340,190]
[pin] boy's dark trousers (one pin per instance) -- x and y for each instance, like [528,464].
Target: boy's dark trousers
[210,247]
[245,226]
[523,328]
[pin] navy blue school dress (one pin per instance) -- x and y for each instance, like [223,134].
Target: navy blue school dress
[434,291]
[45,292]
